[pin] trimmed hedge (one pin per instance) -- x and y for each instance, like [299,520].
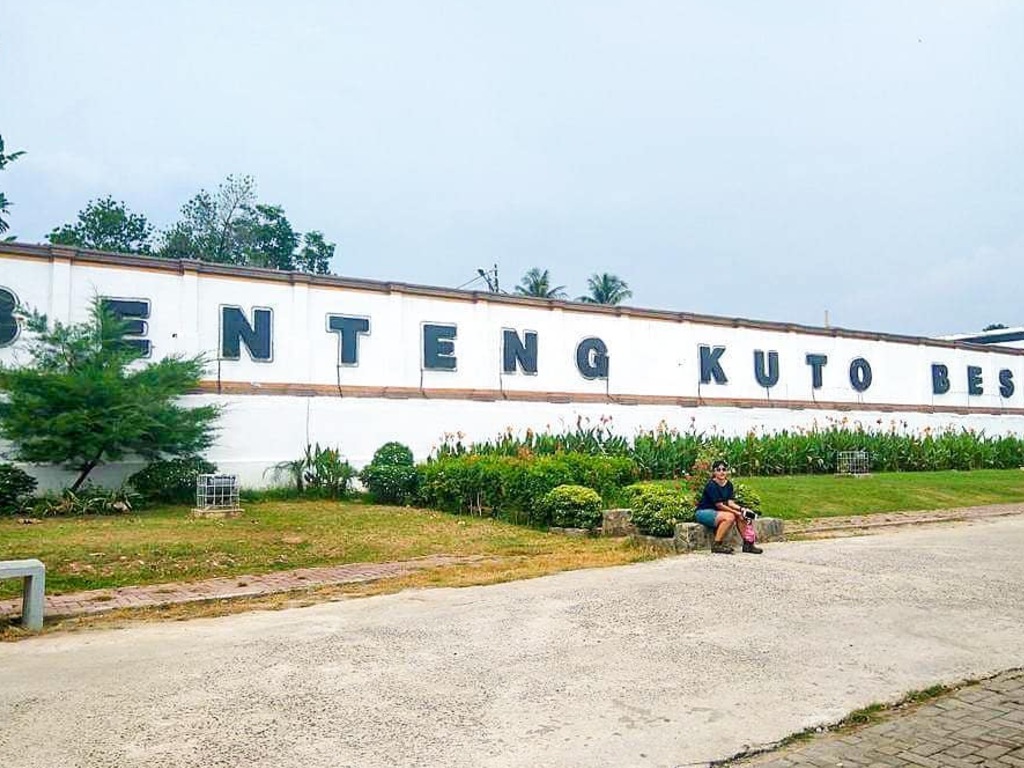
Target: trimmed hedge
[571,506]
[656,509]
[504,485]
[391,476]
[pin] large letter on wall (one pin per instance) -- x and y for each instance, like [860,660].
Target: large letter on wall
[439,347]
[1006,383]
[235,328]
[8,322]
[349,329]
[592,358]
[940,379]
[817,362]
[860,374]
[518,353]
[771,378]
[710,367]
[134,313]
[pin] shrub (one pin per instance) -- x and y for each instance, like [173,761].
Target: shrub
[172,481]
[88,500]
[15,486]
[656,509]
[571,506]
[509,485]
[391,476]
[747,497]
[318,472]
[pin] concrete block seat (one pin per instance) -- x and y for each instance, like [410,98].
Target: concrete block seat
[33,576]
[694,536]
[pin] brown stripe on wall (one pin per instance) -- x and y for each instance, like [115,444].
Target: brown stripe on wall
[495,395]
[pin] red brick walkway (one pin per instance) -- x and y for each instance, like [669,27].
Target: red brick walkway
[99,600]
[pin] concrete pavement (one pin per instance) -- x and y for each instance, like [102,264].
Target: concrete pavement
[675,662]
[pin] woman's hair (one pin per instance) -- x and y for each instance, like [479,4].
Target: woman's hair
[719,465]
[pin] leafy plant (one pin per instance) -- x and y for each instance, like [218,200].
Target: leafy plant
[171,481]
[90,500]
[15,486]
[571,506]
[84,401]
[391,476]
[510,485]
[655,509]
[319,472]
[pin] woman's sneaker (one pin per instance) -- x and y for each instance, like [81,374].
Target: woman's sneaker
[719,548]
[751,549]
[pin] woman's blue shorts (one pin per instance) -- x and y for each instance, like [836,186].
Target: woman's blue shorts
[706,517]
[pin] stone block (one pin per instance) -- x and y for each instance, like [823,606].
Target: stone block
[694,536]
[616,522]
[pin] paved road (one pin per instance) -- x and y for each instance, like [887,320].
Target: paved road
[674,662]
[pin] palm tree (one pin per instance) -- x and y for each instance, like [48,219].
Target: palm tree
[537,282]
[606,289]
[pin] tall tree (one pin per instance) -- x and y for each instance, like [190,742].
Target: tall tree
[231,227]
[537,282]
[606,289]
[81,402]
[106,225]
[209,227]
[315,255]
[4,202]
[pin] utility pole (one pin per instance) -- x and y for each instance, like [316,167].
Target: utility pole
[491,277]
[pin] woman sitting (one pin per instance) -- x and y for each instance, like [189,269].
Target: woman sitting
[719,511]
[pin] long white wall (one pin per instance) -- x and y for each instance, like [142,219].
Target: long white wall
[415,363]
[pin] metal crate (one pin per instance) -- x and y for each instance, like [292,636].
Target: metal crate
[853,463]
[217,493]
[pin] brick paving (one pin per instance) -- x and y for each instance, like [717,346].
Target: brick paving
[977,726]
[101,600]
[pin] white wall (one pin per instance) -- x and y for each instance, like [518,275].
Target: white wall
[654,362]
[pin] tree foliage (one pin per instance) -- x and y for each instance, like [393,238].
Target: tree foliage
[606,289]
[83,401]
[537,282]
[106,225]
[232,227]
[4,202]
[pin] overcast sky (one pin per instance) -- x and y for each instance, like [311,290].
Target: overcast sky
[750,159]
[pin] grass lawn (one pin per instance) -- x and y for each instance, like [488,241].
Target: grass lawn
[167,544]
[798,497]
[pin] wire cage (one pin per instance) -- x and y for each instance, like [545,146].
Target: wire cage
[217,493]
[853,463]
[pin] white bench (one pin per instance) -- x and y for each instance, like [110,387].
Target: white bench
[33,575]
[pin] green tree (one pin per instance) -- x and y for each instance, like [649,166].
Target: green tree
[4,202]
[606,289]
[315,255]
[83,401]
[106,225]
[231,227]
[209,227]
[266,238]
[537,282]
[994,327]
